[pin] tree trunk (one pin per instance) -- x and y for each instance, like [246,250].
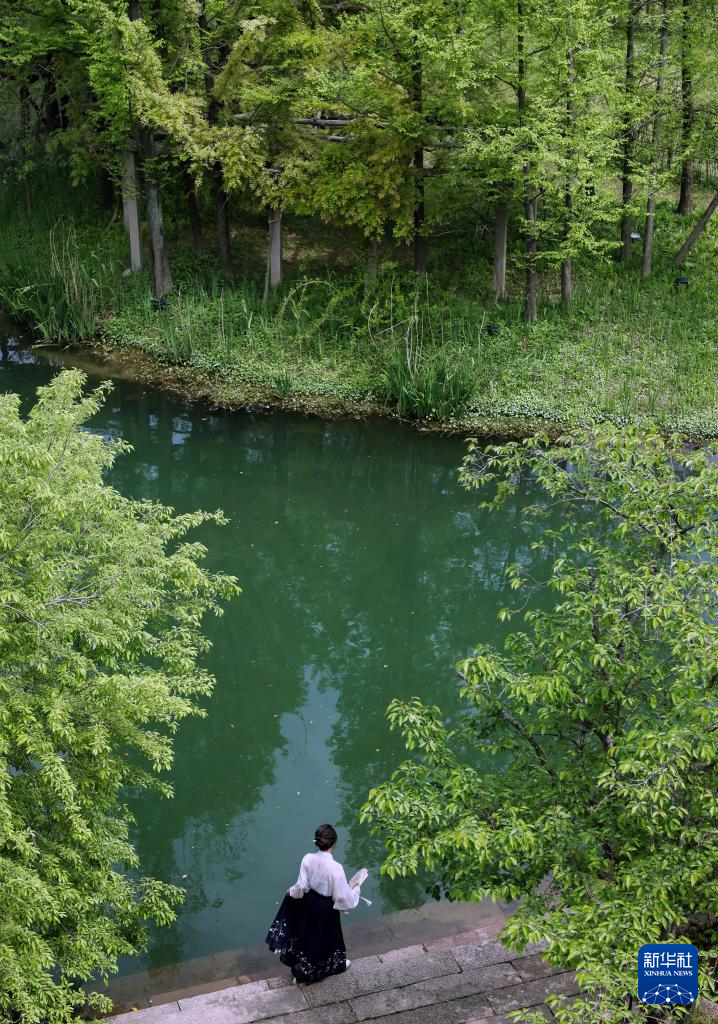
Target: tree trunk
[372,266]
[501,231]
[646,266]
[224,239]
[130,209]
[685,201]
[566,264]
[130,206]
[531,244]
[530,306]
[419,217]
[697,231]
[275,248]
[566,282]
[52,115]
[24,134]
[417,96]
[161,273]
[193,216]
[219,196]
[627,144]
[267,270]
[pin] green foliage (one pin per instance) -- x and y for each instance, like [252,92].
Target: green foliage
[55,289]
[582,775]
[626,351]
[436,387]
[283,382]
[101,601]
[458,105]
[388,122]
[423,379]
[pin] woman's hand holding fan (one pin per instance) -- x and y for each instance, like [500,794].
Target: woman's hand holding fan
[357,880]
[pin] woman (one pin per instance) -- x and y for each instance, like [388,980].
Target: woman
[307,931]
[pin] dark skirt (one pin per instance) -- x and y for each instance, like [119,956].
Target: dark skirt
[307,934]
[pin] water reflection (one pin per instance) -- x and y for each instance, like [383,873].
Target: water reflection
[366,572]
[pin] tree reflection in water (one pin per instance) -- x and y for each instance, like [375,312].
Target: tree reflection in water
[366,573]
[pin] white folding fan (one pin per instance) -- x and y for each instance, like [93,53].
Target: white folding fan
[359,879]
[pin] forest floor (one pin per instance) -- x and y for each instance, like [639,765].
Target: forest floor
[336,340]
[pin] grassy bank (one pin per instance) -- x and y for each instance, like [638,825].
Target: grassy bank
[337,337]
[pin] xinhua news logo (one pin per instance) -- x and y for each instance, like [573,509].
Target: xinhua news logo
[667,973]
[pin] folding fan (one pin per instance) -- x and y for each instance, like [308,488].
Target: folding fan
[359,879]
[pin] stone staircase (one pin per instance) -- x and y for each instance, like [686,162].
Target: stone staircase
[450,981]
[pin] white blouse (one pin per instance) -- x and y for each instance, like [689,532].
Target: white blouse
[319,871]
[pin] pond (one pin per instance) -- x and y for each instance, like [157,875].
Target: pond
[366,572]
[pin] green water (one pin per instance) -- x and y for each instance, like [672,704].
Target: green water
[367,572]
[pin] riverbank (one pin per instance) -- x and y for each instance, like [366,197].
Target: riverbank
[467,979]
[434,923]
[234,393]
[342,342]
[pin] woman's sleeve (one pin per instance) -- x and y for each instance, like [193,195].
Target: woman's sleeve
[344,897]
[302,884]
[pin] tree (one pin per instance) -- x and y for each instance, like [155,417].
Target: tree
[101,601]
[685,201]
[627,134]
[263,82]
[582,773]
[545,142]
[214,51]
[395,84]
[697,230]
[404,119]
[647,262]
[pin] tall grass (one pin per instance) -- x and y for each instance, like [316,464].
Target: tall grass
[56,276]
[429,371]
[626,350]
[61,293]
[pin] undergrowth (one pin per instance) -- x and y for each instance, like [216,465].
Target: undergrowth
[626,350]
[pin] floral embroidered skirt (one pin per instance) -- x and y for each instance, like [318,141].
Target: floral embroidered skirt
[307,934]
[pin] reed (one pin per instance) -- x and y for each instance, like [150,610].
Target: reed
[52,279]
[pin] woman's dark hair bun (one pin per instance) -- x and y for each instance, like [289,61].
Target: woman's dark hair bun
[325,837]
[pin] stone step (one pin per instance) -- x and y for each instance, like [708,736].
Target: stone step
[471,983]
[434,991]
[371,975]
[532,993]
